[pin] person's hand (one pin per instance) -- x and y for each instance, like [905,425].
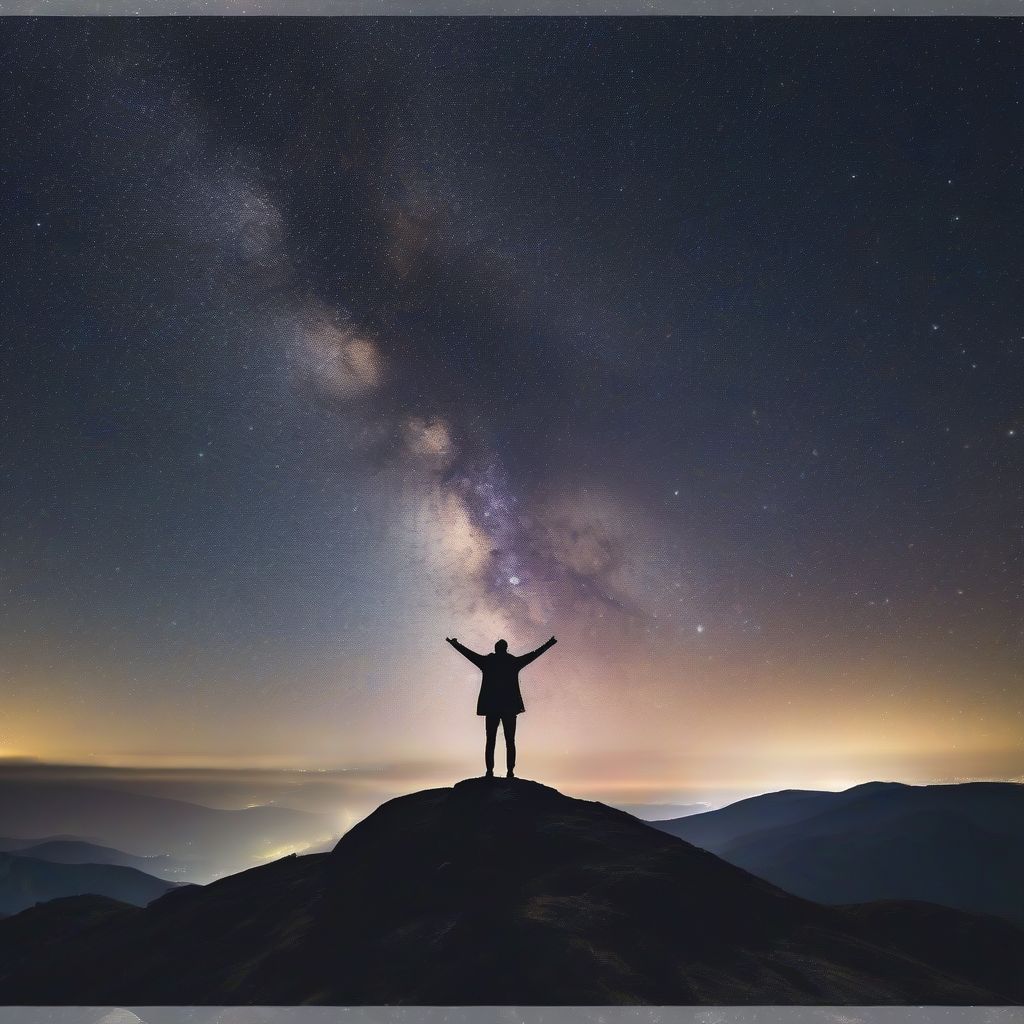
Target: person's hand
[553,640]
[452,639]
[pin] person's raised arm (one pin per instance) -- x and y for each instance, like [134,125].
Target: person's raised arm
[477,659]
[527,658]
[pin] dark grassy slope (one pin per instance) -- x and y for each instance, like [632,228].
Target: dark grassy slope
[51,924]
[507,893]
[961,846]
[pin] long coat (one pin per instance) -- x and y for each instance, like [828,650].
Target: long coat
[499,688]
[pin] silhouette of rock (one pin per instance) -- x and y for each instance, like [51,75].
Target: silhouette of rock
[505,892]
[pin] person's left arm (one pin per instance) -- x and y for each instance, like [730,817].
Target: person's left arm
[533,655]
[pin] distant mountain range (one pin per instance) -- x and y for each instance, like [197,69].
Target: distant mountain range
[8,845]
[958,845]
[70,850]
[25,881]
[499,892]
[209,841]
[661,812]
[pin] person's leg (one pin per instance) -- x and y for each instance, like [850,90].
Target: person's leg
[491,724]
[508,724]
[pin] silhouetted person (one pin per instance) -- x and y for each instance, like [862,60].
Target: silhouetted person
[500,699]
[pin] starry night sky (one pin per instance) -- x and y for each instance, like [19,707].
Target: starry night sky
[696,343]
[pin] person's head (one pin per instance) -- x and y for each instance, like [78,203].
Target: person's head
[500,646]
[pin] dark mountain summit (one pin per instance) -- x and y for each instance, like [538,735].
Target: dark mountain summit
[500,892]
